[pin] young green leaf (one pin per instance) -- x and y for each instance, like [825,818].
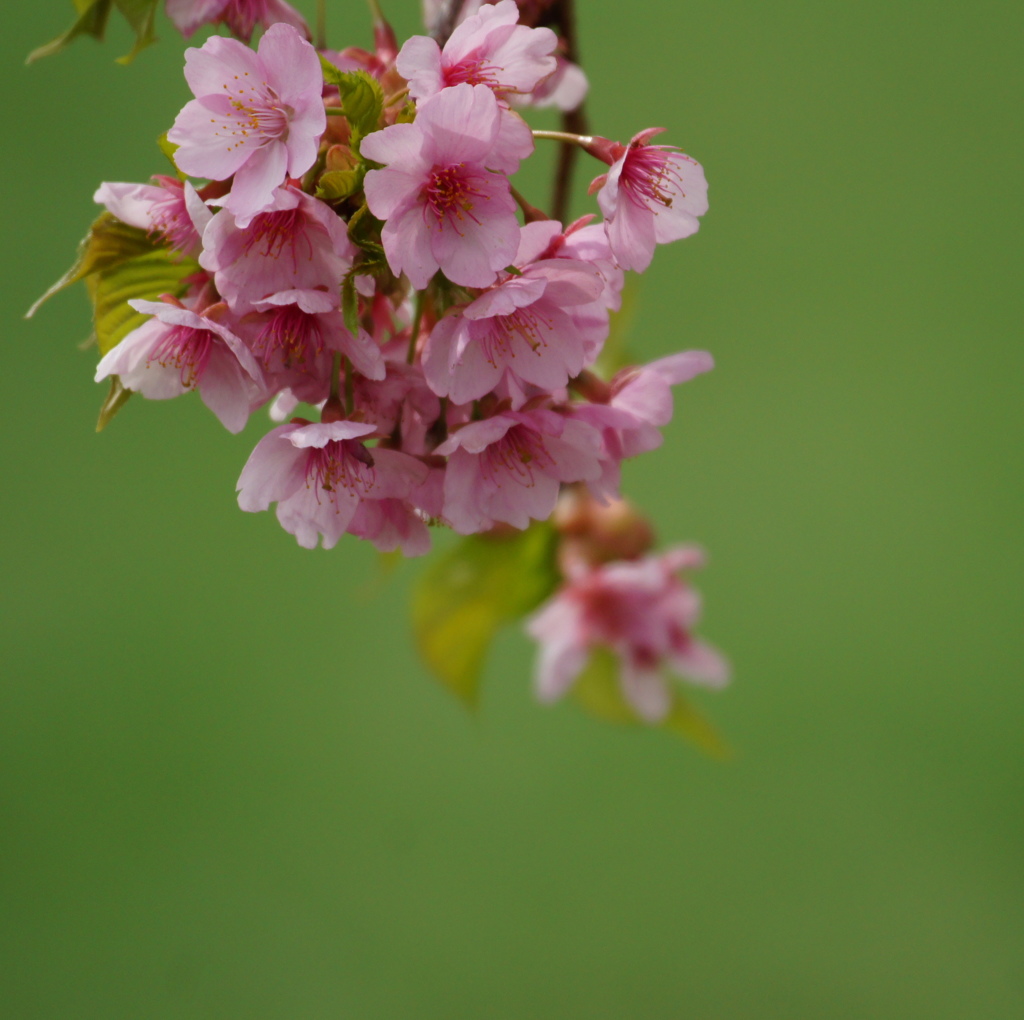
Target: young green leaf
[463,599]
[115,399]
[92,19]
[350,303]
[146,278]
[108,243]
[362,99]
[337,185]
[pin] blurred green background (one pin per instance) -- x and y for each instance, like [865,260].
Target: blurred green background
[228,789]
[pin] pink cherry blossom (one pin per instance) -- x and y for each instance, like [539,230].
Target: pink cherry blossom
[298,243]
[522,326]
[179,350]
[509,467]
[319,473]
[564,90]
[295,339]
[240,16]
[488,48]
[444,209]
[641,611]
[257,117]
[652,194]
[168,208]
[638,405]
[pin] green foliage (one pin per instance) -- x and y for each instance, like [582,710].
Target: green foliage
[350,303]
[108,243]
[463,599]
[92,19]
[337,185]
[362,99]
[119,263]
[597,691]
[146,278]
[116,398]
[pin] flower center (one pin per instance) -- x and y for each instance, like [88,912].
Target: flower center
[340,465]
[449,195]
[274,231]
[291,337]
[186,349]
[519,453]
[524,323]
[472,71]
[650,176]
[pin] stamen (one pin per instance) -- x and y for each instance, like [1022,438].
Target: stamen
[185,349]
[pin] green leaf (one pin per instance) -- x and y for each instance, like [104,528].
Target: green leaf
[108,243]
[463,599]
[364,230]
[169,149]
[687,722]
[337,185]
[92,19]
[116,398]
[146,278]
[598,691]
[362,99]
[141,17]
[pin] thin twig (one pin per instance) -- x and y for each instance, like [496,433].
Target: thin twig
[574,121]
[321,24]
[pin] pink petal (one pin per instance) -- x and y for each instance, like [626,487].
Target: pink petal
[252,190]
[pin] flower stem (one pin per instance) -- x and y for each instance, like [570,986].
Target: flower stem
[563,136]
[321,24]
[417,320]
[335,397]
[531,214]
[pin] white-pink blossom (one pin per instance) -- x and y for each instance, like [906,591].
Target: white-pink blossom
[443,207]
[240,16]
[179,350]
[523,326]
[319,473]
[257,116]
[641,611]
[638,405]
[509,467]
[652,194]
[488,48]
[297,243]
[168,208]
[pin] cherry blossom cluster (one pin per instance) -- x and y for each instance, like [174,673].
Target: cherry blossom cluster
[437,332]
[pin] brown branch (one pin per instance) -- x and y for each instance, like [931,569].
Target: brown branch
[573,121]
[444,23]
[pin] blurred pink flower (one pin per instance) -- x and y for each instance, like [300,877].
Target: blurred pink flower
[641,611]
[509,467]
[319,473]
[488,48]
[240,16]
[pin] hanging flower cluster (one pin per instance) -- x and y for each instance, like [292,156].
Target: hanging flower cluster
[356,259]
